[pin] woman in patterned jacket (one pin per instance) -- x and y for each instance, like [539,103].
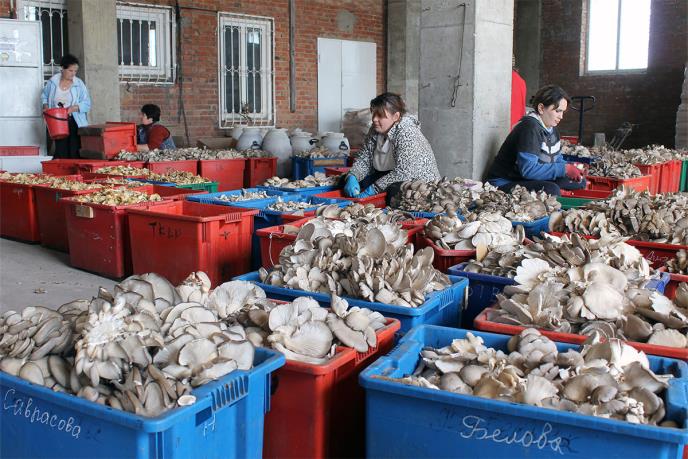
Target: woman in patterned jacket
[394,151]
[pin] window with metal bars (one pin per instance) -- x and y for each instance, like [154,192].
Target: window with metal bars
[246,78]
[145,43]
[53,17]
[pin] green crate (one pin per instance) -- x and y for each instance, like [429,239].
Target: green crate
[684,176]
[570,203]
[210,187]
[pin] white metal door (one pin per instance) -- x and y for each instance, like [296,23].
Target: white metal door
[346,79]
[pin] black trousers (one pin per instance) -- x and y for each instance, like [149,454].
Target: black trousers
[68,147]
[550,187]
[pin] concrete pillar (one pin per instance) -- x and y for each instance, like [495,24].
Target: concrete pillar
[403,50]
[682,114]
[93,40]
[527,27]
[465,82]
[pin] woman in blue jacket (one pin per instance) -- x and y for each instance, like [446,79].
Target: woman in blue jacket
[65,89]
[531,154]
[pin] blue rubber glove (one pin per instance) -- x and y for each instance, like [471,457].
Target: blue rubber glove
[351,186]
[370,191]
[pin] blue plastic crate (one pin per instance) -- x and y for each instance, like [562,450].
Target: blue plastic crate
[440,308]
[302,191]
[534,228]
[226,421]
[578,159]
[413,422]
[482,292]
[213,198]
[302,167]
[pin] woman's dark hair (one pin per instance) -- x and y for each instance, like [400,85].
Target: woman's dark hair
[389,101]
[550,95]
[152,111]
[68,60]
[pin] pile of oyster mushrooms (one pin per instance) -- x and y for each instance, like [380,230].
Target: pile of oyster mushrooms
[321,153]
[117,197]
[364,213]
[27,179]
[660,218]
[592,297]
[178,177]
[519,205]
[678,264]
[256,154]
[606,379]
[651,154]
[178,154]
[367,260]
[289,206]
[575,150]
[486,229]
[310,181]
[567,251]
[613,164]
[438,196]
[304,331]
[245,195]
[140,349]
[129,171]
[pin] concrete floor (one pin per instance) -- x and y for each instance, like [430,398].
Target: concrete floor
[31,275]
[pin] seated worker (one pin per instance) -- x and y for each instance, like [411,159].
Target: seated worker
[150,134]
[530,156]
[394,151]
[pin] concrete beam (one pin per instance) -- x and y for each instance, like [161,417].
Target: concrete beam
[403,50]
[465,81]
[527,43]
[93,39]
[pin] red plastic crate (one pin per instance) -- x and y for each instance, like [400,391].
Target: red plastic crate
[670,180]
[318,411]
[641,183]
[273,239]
[378,200]
[258,170]
[92,165]
[52,224]
[329,171]
[444,259]
[655,172]
[176,238]
[61,166]
[19,151]
[164,167]
[481,323]
[18,215]
[228,173]
[99,236]
[113,138]
[572,139]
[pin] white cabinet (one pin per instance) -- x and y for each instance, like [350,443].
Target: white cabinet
[346,79]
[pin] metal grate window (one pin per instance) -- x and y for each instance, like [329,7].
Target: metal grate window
[53,17]
[145,43]
[246,77]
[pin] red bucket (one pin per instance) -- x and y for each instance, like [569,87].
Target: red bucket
[57,121]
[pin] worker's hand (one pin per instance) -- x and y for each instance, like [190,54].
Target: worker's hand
[351,186]
[142,147]
[367,192]
[72,109]
[573,172]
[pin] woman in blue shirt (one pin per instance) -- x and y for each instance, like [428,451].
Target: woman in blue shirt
[65,89]
[531,154]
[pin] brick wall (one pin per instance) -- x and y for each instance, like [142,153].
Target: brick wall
[314,18]
[649,99]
